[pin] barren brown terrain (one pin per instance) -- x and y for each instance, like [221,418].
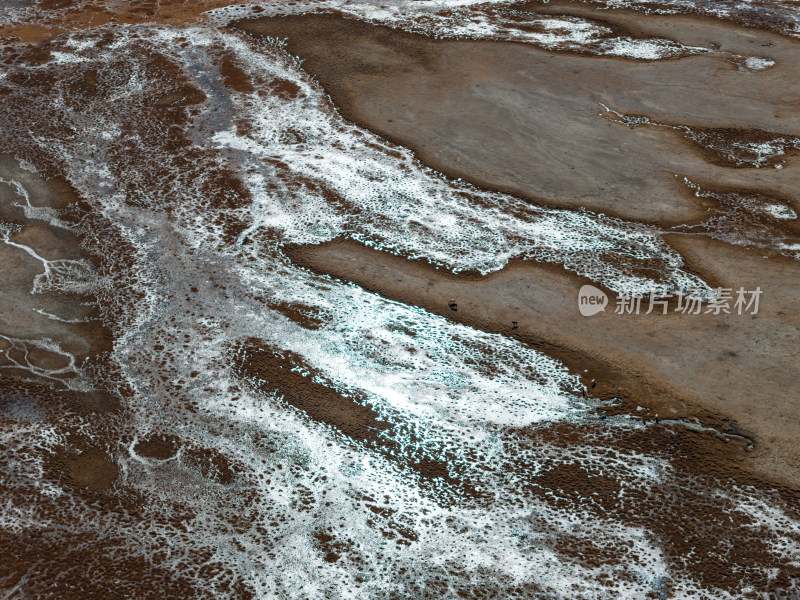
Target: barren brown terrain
[225,374]
[530,122]
[715,368]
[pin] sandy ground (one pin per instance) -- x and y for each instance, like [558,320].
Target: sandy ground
[49,334]
[710,367]
[69,319]
[519,119]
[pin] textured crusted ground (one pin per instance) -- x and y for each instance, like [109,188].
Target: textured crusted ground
[191,406]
